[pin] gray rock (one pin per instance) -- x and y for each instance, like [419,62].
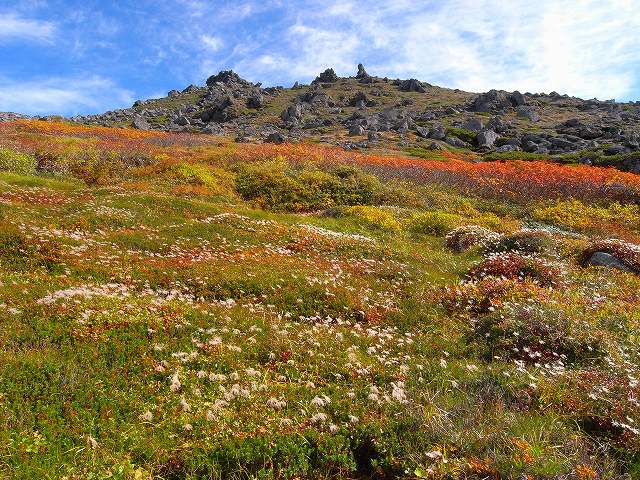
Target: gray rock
[455,142]
[275,137]
[173,93]
[529,113]
[507,148]
[181,120]
[328,76]
[497,125]
[255,101]
[356,130]
[438,132]
[292,113]
[140,123]
[615,150]
[474,124]
[603,259]
[422,132]
[487,138]
[412,85]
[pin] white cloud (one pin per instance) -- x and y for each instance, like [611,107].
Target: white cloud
[586,48]
[211,43]
[64,96]
[13,26]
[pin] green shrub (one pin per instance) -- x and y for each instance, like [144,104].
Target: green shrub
[219,181]
[537,334]
[463,134]
[276,186]
[375,217]
[433,223]
[17,162]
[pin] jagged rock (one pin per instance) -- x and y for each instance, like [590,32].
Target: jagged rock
[497,125]
[328,76]
[356,130]
[362,75]
[527,112]
[275,137]
[434,146]
[181,120]
[226,77]
[373,136]
[412,85]
[507,148]
[455,142]
[474,124]
[141,123]
[496,100]
[487,138]
[292,113]
[173,93]
[437,132]
[422,132]
[255,100]
[361,100]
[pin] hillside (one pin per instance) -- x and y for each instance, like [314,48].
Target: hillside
[178,305]
[367,112]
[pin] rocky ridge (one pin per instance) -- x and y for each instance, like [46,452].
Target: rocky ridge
[364,111]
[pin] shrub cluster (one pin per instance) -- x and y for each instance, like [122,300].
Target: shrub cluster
[625,252]
[515,267]
[274,185]
[17,162]
[469,236]
[536,334]
[433,223]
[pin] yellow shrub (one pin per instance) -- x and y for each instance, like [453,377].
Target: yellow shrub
[216,180]
[576,215]
[375,217]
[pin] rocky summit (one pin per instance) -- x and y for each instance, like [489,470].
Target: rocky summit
[365,111]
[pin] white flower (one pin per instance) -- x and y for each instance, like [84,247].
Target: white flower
[175,383]
[276,404]
[92,442]
[184,405]
[320,401]
[333,428]
[319,418]
[443,363]
[434,454]
[146,416]
[187,427]
[201,374]
[353,419]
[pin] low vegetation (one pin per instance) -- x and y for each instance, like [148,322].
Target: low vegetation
[177,306]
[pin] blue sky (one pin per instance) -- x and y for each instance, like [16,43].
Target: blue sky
[87,56]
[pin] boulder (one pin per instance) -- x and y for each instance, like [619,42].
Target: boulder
[412,85]
[356,130]
[226,77]
[496,100]
[527,112]
[255,100]
[487,138]
[603,259]
[474,124]
[275,137]
[437,132]
[293,113]
[328,76]
[141,123]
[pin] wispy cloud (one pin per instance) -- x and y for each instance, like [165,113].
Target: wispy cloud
[14,26]
[211,42]
[62,95]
